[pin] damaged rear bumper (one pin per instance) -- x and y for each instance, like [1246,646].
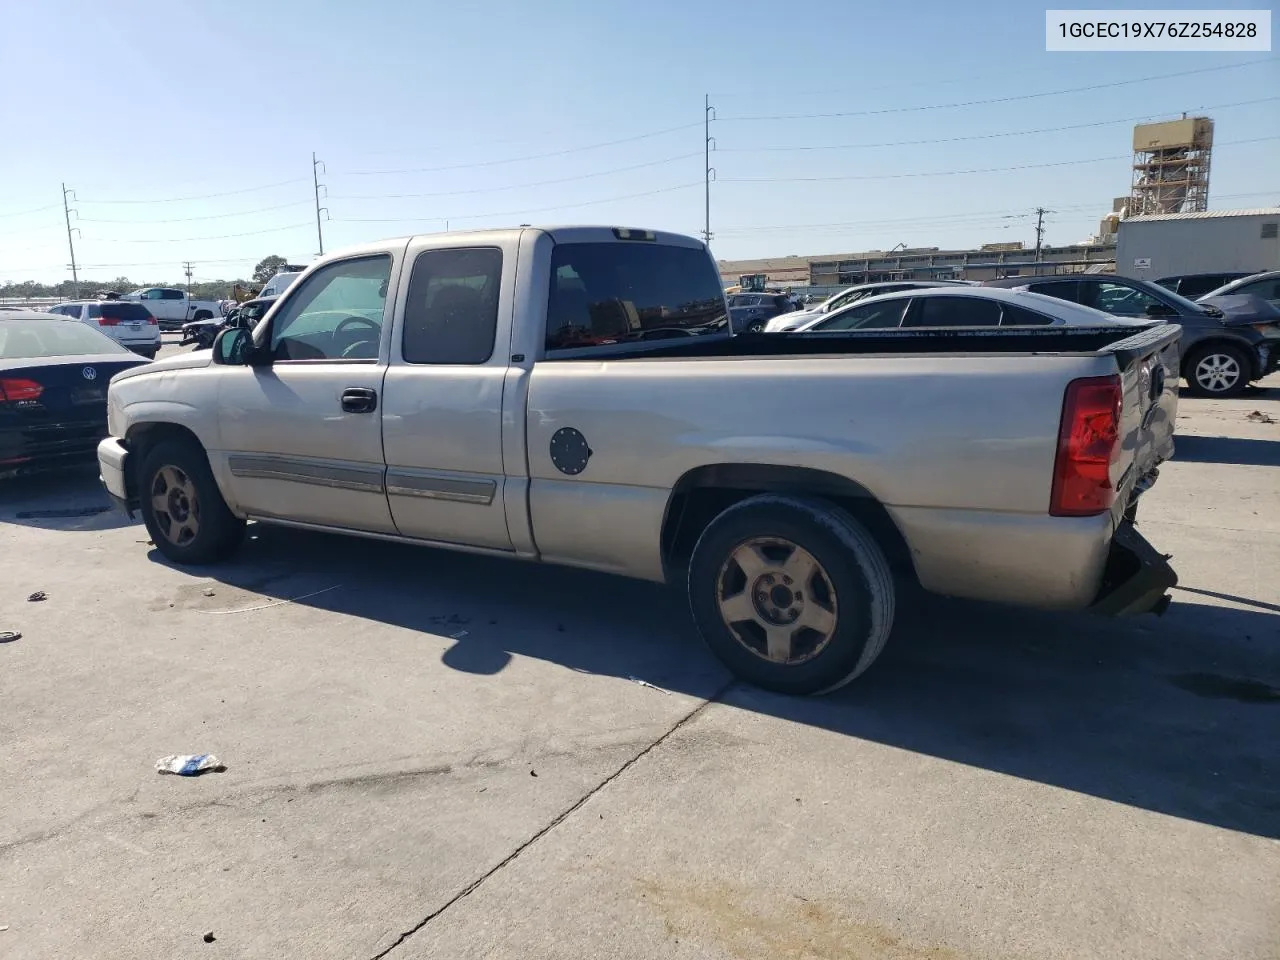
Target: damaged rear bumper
[1137,577]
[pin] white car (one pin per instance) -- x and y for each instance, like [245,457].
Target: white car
[964,307]
[850,295]
[127,323]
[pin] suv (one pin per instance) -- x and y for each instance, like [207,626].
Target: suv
[1222,350]
[128,323]
[749,312]
[1193,286]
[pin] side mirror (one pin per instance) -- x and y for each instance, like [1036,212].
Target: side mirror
[1160,310]
[234,347]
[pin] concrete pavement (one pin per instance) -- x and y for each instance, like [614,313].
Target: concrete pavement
[434,755]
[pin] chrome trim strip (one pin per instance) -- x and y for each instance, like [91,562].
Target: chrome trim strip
[433,487]
[363,479]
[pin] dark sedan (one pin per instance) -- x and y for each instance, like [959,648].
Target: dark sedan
[53,390]
[1226,342]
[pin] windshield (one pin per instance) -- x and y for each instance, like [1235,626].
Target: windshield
[29,339]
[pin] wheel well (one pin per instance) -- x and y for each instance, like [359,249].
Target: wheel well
[1216,343]
[141,437]
[704,493]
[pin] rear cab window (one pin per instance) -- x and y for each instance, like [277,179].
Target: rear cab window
[603,294]
[451,314]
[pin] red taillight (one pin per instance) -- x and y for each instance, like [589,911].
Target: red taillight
[151,319]
[1088,439]
[15,391]
[108,321]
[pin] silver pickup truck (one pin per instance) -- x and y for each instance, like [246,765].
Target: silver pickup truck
[573,395]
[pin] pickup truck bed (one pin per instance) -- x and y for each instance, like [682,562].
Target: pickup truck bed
[779,480]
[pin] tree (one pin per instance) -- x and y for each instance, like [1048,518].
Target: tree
[268,267]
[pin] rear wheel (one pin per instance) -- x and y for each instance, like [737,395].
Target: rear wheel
[182,507]
[1217,370]
[792,593]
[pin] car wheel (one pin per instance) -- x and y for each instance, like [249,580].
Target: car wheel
[182,507]
[792,593]
[203,315]
[756,326]
[1217,370]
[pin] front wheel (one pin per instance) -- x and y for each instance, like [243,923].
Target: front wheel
[182,507]
[792,593]
[1217,370]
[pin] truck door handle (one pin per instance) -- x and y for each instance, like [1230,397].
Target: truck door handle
[359,400]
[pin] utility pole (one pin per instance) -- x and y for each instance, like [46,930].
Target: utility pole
[66,212]
[708,144]
[187,269]
[316,165]
[1040,212]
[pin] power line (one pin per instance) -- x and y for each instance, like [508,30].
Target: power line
[514,213]
[226,236]
[1008,99]
[954,219]
[532,156]
[517,186]
[208,196]
[24,213]
[212,216]
[956,173]
[985,136]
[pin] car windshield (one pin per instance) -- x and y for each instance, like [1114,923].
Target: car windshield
[36,337]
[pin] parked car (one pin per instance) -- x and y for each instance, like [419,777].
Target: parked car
[129,324]
[203,332]
[434,390]
[53,389]
[1224,347]
[1193,286]
[851,295]
[935,307]
[748,312]
[1265,286]
[173,307]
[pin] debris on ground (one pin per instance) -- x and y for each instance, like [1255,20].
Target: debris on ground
[209,937]
[38,596]
[1259,417]
[533,773]
[208,591]
[189,764]
[273,603]
[3,927]
[8,636]
[646,683]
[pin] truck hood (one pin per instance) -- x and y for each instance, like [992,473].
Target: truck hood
[1243,308]
[183,361]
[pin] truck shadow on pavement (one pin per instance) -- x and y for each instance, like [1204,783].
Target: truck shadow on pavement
[1232,450]
[1175,715]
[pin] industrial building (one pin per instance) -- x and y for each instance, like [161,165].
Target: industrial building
[987,262]
[1171,167]
[1221,241]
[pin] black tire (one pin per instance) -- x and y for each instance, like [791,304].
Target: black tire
[852,583]
[202,315]
[1202,383]
[178,471]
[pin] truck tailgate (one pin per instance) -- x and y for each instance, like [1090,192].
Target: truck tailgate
[1148,367]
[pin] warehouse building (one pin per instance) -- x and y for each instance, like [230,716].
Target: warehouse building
[1219,241]
[989,262]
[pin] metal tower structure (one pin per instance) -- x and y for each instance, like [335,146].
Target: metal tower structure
[1171,166]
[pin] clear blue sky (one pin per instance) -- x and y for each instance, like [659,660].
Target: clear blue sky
[153,103]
